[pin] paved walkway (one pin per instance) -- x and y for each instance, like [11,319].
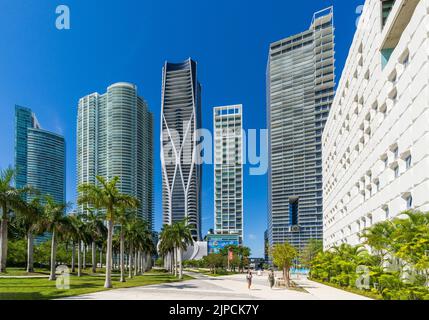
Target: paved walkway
[24,277]
[223,288]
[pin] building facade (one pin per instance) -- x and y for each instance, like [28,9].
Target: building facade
[115,138]
[300,90]
[228,170]
[376,155]
[181,170]
[40,157]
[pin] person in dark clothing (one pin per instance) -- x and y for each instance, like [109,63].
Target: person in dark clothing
[271,279]
[249,277]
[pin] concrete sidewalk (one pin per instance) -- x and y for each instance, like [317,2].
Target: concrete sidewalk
[223,288]
[24,277]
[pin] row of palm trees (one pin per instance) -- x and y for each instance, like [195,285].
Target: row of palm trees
[174,241]
[106,208]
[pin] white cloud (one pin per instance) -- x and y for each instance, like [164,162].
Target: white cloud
[252,237]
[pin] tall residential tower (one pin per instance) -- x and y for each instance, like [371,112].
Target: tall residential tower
[228,171]
[181,171]
[114,138]
[300,90]
[40,157]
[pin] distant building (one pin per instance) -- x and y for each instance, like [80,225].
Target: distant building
[300,84]
[228,170]
[115,138]
[256,263]
[40,157]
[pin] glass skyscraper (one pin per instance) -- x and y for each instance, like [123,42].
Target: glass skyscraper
[114,138]
[39,156]
[180,118]
[300,90]
[228,170]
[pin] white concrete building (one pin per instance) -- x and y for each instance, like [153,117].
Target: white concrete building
[376,139]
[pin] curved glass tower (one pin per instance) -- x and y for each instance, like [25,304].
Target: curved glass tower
[114,134]
[180,118]
[39,156]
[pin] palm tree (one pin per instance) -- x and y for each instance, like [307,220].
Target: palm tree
[106,197]
[71,236]
[55,222]
[166,247]
[143,244]
[10,199]
[130,236]
[173,240]
[379,238]
[147,247]
[411,240]
[80,235]
[96,230]
[29,219]
[182,238]
[123,217]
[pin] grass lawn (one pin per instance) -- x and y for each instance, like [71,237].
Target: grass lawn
[219,273]
[15,272]
[43,289]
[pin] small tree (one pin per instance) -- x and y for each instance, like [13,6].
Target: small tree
[214,261]
[283,256]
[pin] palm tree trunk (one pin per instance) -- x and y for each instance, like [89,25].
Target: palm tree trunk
[3,240]
[114,263]
[73,257]
[175,261]
[84,255]
[79,259]
[145,261]
[122,255]
[101,257]
[179,258]
[53,276]
[136,262]
[166,262]
[130,258]
[108,282]
[94,258]
[30,250]
[172,262]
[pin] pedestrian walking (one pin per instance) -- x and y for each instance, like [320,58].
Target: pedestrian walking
[271,279]
[249,277]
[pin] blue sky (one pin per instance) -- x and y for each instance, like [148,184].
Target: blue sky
[48,70]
